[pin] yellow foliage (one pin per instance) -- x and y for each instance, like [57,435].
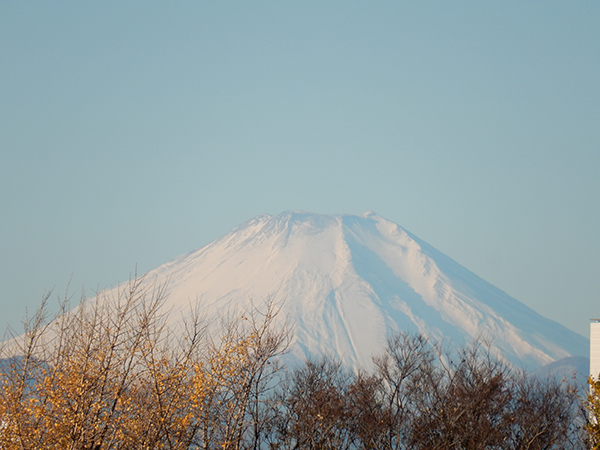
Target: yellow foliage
[109,375]
[593,406]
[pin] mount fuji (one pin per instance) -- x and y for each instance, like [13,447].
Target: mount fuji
[346,282]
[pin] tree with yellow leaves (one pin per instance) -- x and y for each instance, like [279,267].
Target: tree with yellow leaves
[593,407]
[111,375]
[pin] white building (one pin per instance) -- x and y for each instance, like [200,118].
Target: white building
[595,348]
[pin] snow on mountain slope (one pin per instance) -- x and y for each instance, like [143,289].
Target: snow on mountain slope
[346,282]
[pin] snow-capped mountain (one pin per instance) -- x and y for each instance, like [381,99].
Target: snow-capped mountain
[346,282]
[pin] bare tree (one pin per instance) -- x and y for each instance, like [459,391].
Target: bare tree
[464,403]
[315,413]
[242,366]
[545,414]
[406,364]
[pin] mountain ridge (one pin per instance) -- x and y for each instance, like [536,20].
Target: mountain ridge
[348,281]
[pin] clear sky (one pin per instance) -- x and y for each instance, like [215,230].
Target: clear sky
[132,132]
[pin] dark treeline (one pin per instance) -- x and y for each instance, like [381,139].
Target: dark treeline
[418,398]
[111,375]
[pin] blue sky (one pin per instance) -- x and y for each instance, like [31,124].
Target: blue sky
[132,132]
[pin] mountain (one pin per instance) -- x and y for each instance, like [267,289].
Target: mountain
[572,368]
[347,281]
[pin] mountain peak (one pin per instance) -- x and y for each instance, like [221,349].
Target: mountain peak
[369,214]
[348,281]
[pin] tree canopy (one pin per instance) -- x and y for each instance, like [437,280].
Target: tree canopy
[110,374]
